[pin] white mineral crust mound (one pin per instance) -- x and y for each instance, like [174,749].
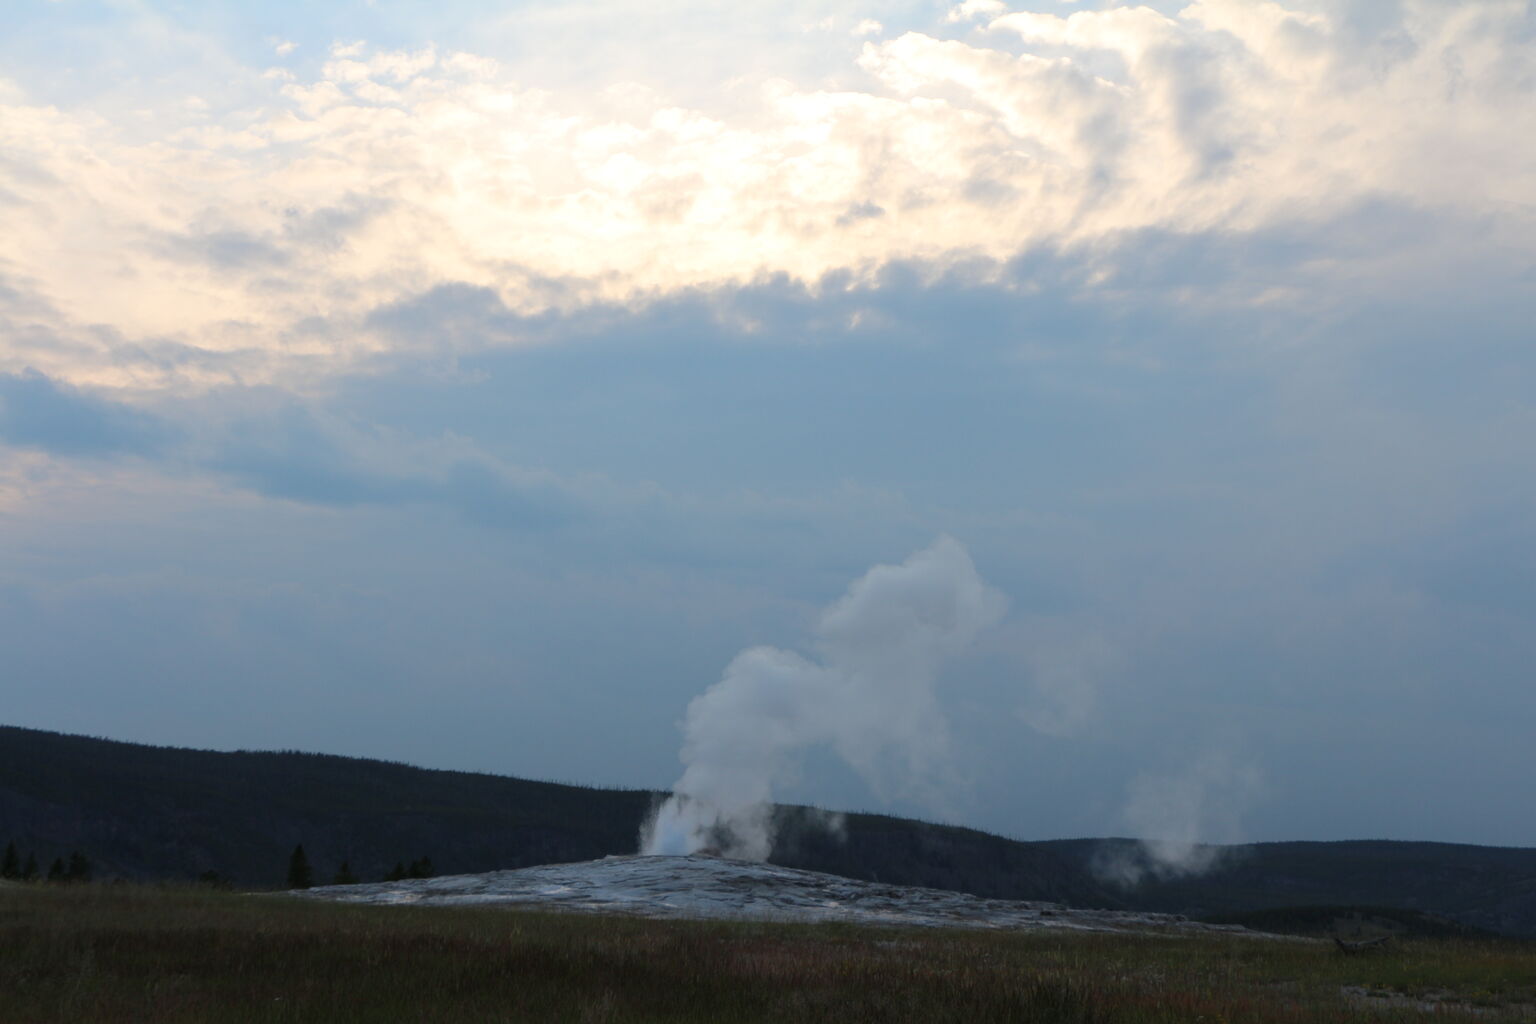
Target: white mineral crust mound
[713,887]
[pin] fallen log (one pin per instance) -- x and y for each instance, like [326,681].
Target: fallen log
[1360,945]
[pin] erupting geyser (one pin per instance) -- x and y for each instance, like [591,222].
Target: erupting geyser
[869,696]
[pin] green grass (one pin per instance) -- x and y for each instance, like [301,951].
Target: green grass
[124,953]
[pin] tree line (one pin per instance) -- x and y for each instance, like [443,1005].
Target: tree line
[77,868]
[301,874]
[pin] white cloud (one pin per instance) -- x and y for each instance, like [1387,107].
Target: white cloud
[1227,117]
[975,9]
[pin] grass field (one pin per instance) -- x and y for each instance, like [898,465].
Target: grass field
[125,953]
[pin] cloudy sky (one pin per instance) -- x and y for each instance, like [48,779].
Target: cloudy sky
[468,383]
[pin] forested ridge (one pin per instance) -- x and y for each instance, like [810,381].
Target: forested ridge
[151,813]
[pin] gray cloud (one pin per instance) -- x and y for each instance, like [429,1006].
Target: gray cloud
[37,412]
[302,233]
[450,316]
[281,448]
[286,449]
[229,249]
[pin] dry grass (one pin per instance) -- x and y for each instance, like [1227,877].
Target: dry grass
[119,953]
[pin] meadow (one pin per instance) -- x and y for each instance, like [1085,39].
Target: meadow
[168,954]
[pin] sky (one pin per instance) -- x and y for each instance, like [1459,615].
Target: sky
[468,384]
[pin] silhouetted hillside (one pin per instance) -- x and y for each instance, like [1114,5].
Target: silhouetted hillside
[143,812]
[1487,887]
[901,851]
[162,812]
[146,812]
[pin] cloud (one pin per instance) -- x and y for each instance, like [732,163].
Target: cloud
[36,412]
[453,316]
[975,9]
[282,448]
[1068,132]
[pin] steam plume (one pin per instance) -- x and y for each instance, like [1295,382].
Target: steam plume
[869,696]
[1173,813]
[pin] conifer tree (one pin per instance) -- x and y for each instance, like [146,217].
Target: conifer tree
[344,875]
[299,874]
[420,868]
[56,870]
[29,869]
[396,873]
[11,866]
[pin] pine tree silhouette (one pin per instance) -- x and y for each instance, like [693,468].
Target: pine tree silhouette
[56,870]
[344,875]
[29,869]
[299,874]
[11,866]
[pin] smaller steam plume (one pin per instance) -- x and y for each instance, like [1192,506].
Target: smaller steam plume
[868,695]
[1174,812]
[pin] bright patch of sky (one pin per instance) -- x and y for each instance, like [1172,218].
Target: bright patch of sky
[467,383]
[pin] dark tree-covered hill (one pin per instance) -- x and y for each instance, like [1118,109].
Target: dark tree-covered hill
[143,812]
[1488,887]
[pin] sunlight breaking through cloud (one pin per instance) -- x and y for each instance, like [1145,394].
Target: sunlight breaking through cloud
[267,234]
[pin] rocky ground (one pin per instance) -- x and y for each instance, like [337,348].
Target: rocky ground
[712,887]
